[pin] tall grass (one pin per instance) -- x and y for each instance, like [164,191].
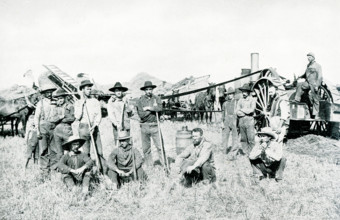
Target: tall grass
[310,188]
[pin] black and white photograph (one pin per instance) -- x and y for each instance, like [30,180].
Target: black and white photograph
[169,109]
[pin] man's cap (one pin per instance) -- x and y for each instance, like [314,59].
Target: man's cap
[311,54]
[267,131]
[231,90]
[72,139]
[123,135]
[60,92]
[245,87]
[148,84]
[84,83]
[119,86]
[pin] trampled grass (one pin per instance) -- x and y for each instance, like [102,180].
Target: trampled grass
[310,189]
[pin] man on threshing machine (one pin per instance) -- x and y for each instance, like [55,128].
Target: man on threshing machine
[313,76]
[87,112]
[44,119]
[266,157]
[229,124]
[125,162]
[63,130]
[148,107]
[75,165]
[118,110]
[245,112]
[196,162]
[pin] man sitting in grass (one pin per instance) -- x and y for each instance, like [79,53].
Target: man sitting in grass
[266,157]
[125,162]
[196,162]
[75,165]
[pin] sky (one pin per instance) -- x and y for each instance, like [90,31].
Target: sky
[113,40]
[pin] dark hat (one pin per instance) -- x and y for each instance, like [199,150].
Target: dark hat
[85,82]
[148,84]
[245,87]
[123,135]
[311,54]
[60,92]
[74,138]
[119,86]
[268,131]
[231,90]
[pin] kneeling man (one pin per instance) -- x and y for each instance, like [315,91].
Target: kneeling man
[125,162]
[266,157]
[75,165]
[196,162]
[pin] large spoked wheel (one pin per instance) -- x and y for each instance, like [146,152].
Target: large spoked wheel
[263,105]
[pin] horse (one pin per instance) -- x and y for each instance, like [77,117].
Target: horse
[204,101]
[173,104]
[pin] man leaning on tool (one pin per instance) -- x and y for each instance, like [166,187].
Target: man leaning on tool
[118,110]
[313,76]
[88,109]
[125,162]
[245,112]
[147,106]
[196,162]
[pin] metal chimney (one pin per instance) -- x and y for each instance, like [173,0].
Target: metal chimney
[254,62]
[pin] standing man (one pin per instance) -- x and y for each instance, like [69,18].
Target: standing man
[245,111]
[147,106]
[63,130]
[44,119]
[266,157]
[229,124]
[87,109]
[279,111]
[125,162]
[196,162]
[118,110]
[313,76]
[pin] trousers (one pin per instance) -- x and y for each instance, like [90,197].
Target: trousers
[72,180]
[61,134]
[46,146]
[230,128]
[274,170]
[119,181]
[150,131]
[247,132]
[205,172]
[314,98]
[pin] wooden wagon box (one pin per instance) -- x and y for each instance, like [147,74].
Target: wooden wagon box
[299,111]
[329,111]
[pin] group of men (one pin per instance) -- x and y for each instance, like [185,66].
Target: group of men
[63,128]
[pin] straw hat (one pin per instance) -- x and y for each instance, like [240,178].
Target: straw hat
[267,131]
[45,84]
[231,90]
[123,135]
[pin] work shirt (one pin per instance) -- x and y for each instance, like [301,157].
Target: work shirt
[45,112]
[313,74]
[280,110]
[229,110]
[66,113]
[93,108]
[115,112]
[79,159]
[149,116]
[122,159]
[201,153]
[272,153]
[246,107]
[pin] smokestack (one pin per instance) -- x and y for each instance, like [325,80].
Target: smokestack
[254,62]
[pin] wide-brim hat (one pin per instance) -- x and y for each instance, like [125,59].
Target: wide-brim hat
[148,84]
[245,87]
[45,84]
[60,92]
[268,131]
[119,86]
[84,83]
[123,135]
[72,139]
[43,90]
[230,90]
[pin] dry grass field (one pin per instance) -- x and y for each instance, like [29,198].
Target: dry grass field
[310,189]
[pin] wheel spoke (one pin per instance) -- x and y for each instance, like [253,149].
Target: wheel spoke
[262,93]
[260,99]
